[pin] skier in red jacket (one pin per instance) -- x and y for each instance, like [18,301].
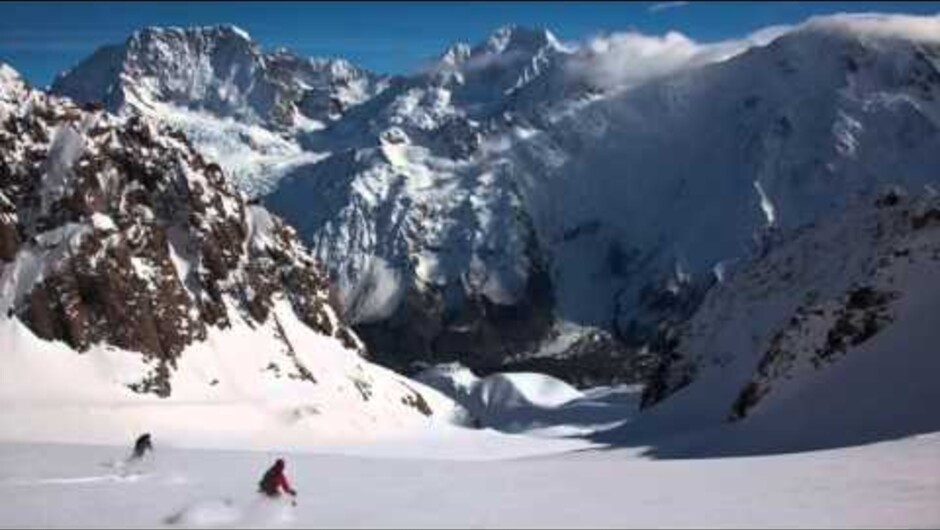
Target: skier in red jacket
[274,481]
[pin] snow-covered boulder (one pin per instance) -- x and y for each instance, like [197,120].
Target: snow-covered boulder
[502,391]
[507,400]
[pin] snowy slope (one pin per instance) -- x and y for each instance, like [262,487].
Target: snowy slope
[239,388]
[523,194]
[138,290]
[525,401]
[892,485]
[827,340]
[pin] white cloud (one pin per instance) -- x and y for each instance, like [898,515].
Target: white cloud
[661,6]
[878,25]
[629,58]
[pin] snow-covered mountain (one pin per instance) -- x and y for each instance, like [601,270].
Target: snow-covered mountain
[562,207]
[648,196]
[239,105]
[827,340]
[134,272]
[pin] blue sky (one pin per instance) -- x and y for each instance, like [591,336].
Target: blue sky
[41,39]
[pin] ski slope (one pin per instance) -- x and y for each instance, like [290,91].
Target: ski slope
[892,484]
[231,391]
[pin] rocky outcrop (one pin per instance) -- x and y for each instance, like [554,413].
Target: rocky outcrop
[121,233]
[9,236]
[822,295]
[220,70]
[445,323]
[593,358]
[817,335]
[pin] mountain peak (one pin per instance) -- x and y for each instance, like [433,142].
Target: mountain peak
[519,38]
[511,41]
[456,54]
[9,76]
[12,87]
[218,31]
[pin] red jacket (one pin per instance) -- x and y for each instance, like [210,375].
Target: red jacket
[274,480]
[284,485]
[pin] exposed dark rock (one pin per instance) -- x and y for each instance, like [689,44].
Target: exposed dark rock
[925,218]
[595,359]
[9,240]
[134,208]
[891,197]
[438,324]
[856,318]
[416,401]
[477,332]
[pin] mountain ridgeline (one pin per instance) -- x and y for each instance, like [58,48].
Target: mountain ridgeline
[510,207]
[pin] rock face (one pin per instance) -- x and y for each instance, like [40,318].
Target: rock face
[432,321]
[512,198]
[220,70]
[244,107]
[117,231]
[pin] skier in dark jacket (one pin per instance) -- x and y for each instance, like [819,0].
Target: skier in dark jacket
[142,445]
[274,481]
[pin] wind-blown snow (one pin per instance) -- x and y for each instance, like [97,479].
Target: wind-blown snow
[377,295]
[66,148]
[627,58]
[623,60]
[879,25]
[765,204]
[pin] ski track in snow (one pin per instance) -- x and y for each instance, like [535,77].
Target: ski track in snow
[886,484]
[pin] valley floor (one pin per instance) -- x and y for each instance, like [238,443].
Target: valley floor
[466,478]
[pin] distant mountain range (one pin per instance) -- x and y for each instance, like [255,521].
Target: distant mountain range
[530,204]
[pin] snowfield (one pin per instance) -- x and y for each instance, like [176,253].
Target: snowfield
[550,472]
[553,470]
[229,391]
[531,403]
[889,484]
